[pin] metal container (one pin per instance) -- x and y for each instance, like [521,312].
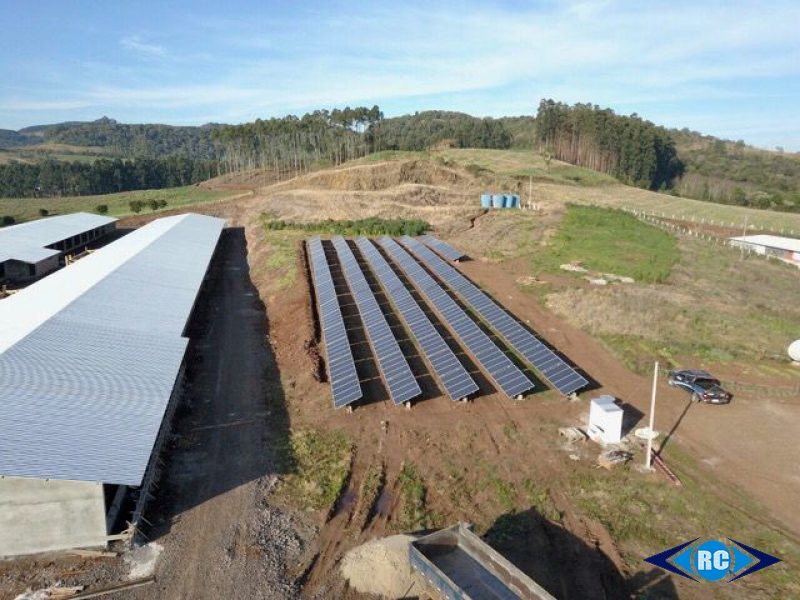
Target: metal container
[498,201]
[486,201]
[461,566]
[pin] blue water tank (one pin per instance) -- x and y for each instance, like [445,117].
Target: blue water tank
[498,200]
[514,201]
[486,201]
[506,201]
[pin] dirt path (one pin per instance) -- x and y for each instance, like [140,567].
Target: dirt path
[220,469]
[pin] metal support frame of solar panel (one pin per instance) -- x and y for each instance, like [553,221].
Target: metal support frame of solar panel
[341,366]
[562,376]
[504,373]
[442,248]
[397,375]
[456,380]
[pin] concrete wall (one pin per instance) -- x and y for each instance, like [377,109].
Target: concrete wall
[40,516]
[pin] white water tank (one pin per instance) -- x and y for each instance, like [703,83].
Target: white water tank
[794,351]
[605,420]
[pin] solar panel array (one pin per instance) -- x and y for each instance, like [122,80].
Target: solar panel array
[394,367]
[341,366]
[561,375]
[454,377]
[443,248]
[502,371]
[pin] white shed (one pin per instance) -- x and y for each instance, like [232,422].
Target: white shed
[605,420]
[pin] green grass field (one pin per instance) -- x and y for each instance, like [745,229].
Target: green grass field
[26,209]
[609,241]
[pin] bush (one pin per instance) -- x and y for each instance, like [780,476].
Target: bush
[101,208]
[136,206]
[373,226]
[153,204]
[8,220]
[43,212]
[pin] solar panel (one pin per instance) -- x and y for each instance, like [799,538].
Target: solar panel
[562,376]
[504,373]
[341,366]
[442,248]
[454,377]
[394,367]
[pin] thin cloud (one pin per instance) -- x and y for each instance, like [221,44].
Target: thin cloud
[135,44]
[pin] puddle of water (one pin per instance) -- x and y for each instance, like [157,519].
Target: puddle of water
[346,501]
[383,506]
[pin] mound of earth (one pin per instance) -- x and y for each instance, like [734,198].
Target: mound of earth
[380,567]
[380,176]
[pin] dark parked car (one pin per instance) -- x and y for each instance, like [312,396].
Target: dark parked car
[701,385]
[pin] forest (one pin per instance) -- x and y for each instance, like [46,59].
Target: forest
[423,130]
[138,140]
[633,150]
[63,178]
[295,144]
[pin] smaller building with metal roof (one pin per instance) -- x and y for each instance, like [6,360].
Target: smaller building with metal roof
[31,250]
[783,248]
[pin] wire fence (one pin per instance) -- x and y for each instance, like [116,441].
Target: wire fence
[697,228]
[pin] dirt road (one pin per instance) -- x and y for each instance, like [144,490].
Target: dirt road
[220,467]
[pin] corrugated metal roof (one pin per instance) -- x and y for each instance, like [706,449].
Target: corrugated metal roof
[771,241]
[90,354]
[27,242]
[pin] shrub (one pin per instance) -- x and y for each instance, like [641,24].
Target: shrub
[43,212]
[101,208]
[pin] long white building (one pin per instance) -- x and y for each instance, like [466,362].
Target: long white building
[90,363]
[783,248]
[31,250]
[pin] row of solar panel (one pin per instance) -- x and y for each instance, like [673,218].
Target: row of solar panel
[341,366]
[394,368]
[561,375]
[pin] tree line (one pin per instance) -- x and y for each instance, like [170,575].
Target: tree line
[424,130]
[50,178]
[295,144]
[629,148]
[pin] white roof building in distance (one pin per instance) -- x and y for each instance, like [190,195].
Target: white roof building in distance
[784,248]
[33,249]
[89,358]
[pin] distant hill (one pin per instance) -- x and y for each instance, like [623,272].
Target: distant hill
[731,172]
[717,170]
[14,139]
[120,139]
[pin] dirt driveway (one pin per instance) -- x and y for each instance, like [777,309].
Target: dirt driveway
[211,516]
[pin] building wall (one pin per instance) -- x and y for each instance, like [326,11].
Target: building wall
[38,515]
[46,266]
[18,271]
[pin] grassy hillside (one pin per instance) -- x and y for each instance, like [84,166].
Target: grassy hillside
[25,209]
[563,182]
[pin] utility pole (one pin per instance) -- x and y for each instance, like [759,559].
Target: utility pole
[530,191]
[744,234]
[651,432]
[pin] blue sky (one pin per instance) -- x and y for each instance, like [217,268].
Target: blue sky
[727,68]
